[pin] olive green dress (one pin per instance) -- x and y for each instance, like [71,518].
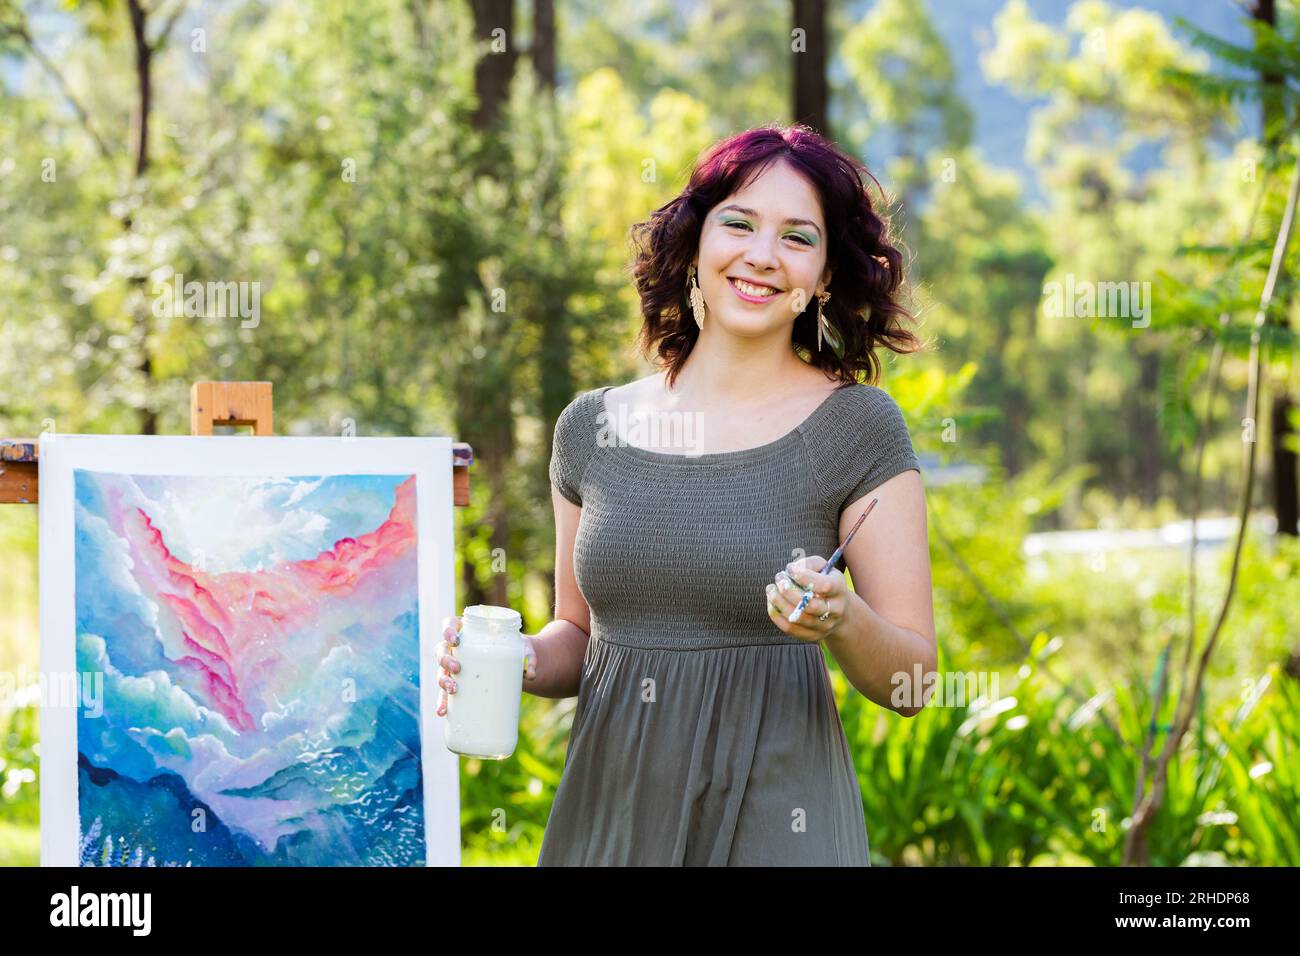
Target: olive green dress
[703,734]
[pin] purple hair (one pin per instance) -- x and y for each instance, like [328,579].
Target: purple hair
[867,269]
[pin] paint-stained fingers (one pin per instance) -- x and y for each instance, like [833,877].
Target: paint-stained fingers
[817,606]
[451,628]
[782,602]
[447,661]
[788,590]
[530,658]
[448,685]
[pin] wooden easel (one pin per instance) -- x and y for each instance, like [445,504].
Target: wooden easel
[211,403]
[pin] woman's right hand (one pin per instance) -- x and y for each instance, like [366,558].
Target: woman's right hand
[447,663]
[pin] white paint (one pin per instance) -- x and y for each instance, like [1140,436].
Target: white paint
[483,714]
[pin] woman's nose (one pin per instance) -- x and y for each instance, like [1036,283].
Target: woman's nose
[761,252]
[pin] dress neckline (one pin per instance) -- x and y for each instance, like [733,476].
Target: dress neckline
[711,458]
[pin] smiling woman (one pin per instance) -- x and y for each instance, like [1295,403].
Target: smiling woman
[706,731]
[799,209]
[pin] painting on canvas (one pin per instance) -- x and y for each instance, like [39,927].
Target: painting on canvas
[248,659]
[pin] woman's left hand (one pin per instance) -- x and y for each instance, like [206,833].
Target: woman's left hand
[825,610]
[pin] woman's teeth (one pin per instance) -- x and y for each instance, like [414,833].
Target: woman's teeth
[755,290]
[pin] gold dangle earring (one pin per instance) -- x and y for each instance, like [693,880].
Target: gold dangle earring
[821,318]
[697,296]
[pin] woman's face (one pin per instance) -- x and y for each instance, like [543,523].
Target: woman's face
[770,233]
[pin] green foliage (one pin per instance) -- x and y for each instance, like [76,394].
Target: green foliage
[1034,777]
[505,803]
[734,57]
[1174,410]
[20,811]
[1105,75]
[900,65]
[421,273]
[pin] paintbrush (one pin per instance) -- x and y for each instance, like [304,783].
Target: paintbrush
[807,595]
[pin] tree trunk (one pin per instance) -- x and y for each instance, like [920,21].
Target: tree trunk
[1286,494]
[493,26]
[484,394]
[810,96]
[144,86]
[544,44]
[555,376]
[1146,428]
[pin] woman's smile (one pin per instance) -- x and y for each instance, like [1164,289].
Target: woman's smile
[752,292]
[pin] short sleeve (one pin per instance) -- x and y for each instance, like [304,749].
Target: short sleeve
[863,445]
[570,448]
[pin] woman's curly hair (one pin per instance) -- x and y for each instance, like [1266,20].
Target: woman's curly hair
[867,269]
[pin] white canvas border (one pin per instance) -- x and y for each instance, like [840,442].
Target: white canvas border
[428,458]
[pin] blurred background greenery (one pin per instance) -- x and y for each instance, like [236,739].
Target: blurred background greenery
[435,197]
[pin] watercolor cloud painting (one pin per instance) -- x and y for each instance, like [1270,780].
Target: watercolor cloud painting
[259,641]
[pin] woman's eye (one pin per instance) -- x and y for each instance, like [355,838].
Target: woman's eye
[740,224]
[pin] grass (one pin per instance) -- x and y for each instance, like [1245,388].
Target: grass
[20,845]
